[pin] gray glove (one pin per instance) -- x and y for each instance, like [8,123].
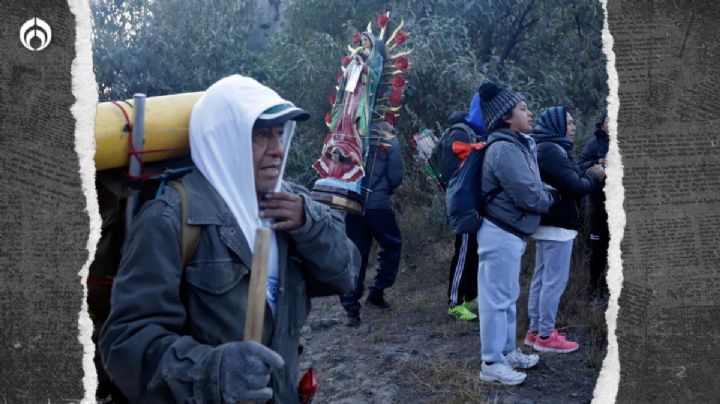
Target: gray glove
[245,369]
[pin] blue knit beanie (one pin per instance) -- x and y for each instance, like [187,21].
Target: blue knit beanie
[554,120]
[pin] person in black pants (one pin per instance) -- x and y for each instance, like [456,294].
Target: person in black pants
[462,285]
[593,153]
[467,127]
[384,173]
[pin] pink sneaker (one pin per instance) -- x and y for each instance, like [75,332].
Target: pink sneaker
[530,338]
[555,343]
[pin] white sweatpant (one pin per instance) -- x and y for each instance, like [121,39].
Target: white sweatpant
[552,270]
[499,254]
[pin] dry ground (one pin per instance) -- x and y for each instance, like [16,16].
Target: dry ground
[415,353]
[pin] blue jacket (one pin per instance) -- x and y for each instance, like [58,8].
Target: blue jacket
[168,325]
[511,166]
[383,174]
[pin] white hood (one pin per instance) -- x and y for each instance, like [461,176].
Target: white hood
[221,144]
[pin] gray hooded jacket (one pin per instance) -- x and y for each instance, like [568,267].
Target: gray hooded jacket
[512,166]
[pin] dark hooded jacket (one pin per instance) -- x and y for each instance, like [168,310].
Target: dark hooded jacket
[559,169]
[383,174]
[595,150]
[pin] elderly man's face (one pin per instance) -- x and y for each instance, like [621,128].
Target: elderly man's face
[268,151]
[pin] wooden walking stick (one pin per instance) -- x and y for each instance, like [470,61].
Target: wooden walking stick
[257,293]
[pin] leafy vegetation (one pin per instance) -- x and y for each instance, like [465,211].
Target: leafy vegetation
[550,50]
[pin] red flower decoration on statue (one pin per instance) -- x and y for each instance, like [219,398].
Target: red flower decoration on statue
[346,60]
[328,117]
[356,39]
[390,118]
[402,64]
[332,99]
[400,37]
[382,20]
[396,97]
[397,82]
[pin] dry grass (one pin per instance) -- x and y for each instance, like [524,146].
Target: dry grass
[445,382]
[432,358]
[428,248]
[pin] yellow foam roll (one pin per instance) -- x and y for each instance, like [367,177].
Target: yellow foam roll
[167,119]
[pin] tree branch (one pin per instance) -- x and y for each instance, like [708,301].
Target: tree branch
[519,27]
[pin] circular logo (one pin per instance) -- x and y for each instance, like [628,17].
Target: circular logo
[35,34]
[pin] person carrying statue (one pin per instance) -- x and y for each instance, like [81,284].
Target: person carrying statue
[384,174]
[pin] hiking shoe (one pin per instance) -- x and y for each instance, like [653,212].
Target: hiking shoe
[462,313]
[472,305]
[518,360]
[501,372]
[376,298]
[353,320]
[556,342]
[530,338]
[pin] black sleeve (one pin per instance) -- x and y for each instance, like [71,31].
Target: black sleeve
[588,157]
[558,171]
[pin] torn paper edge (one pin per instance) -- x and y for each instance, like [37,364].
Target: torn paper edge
[607,384]
[86,99]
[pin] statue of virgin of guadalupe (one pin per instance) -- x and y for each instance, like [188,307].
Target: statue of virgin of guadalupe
[351,114]
[363,111]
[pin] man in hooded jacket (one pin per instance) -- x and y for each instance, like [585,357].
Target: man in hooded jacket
[175,334]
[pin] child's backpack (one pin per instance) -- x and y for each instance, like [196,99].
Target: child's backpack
[464,199]
[442,159]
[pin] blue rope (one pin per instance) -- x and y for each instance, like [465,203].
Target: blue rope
[167,175]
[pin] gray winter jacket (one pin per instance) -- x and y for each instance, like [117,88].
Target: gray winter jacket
[167,328]
[383,174]
[510,167]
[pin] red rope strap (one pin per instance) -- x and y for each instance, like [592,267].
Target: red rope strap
[137,154]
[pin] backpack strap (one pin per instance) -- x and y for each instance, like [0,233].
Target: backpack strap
[473,137]
[190,234]
[489,196]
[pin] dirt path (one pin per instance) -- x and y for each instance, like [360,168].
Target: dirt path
[415,353]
